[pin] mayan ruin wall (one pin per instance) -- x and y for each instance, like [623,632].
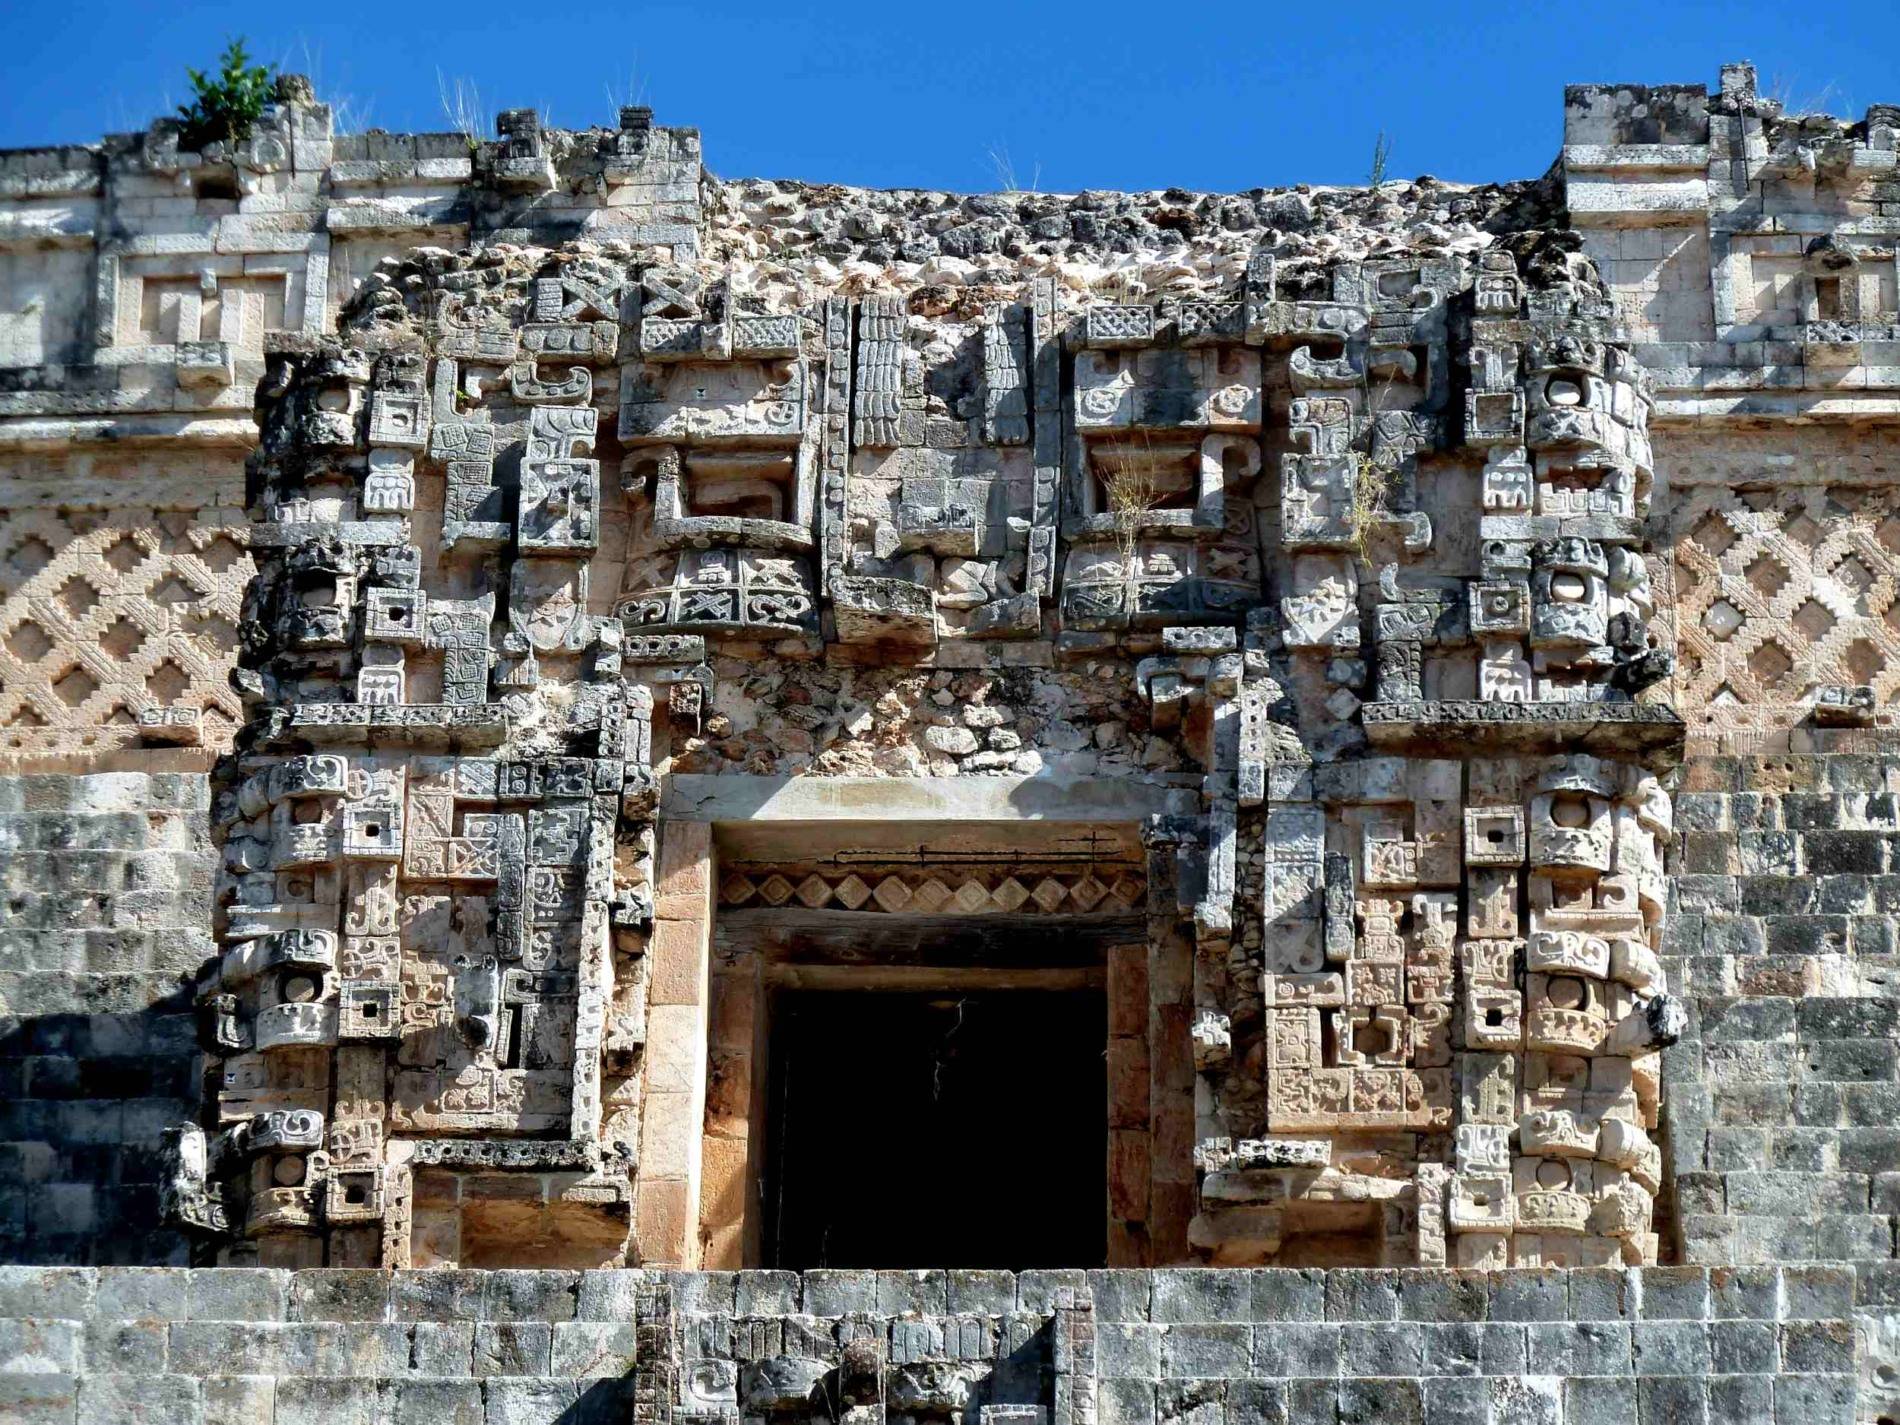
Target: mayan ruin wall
[628,795]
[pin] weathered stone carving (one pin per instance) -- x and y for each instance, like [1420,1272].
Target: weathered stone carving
[417,923]
[720,466]
[1158,514]
[1438,927]
[438,827]
[1343,564]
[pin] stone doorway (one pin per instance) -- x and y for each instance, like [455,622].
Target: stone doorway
[822,1022]
[965,1128]
[977,910]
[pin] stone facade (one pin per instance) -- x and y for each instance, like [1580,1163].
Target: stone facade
[1290,1346]
[1419,657]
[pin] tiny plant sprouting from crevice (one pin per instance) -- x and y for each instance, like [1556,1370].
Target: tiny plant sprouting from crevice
[1780,90]
[462,107]
[1132,491]
[1373,486]
[1005,171]
[348,113]
[630,95]
[1381,151]
[225,106]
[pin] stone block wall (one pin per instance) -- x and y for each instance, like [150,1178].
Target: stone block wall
[104,922]
[1783,1127]
[1202,1347]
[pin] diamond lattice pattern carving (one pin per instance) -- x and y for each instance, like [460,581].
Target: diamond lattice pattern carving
[1781,591]
[107,615]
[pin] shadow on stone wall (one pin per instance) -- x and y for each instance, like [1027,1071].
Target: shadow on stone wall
[83,1098]
[105,922]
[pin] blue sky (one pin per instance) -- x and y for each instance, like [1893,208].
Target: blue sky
[960,93]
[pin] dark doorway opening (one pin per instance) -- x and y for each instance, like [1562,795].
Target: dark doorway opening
[949,1129]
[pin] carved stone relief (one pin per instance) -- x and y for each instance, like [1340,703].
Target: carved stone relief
[1366,539]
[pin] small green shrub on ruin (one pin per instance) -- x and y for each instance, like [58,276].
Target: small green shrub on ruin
[225,106]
